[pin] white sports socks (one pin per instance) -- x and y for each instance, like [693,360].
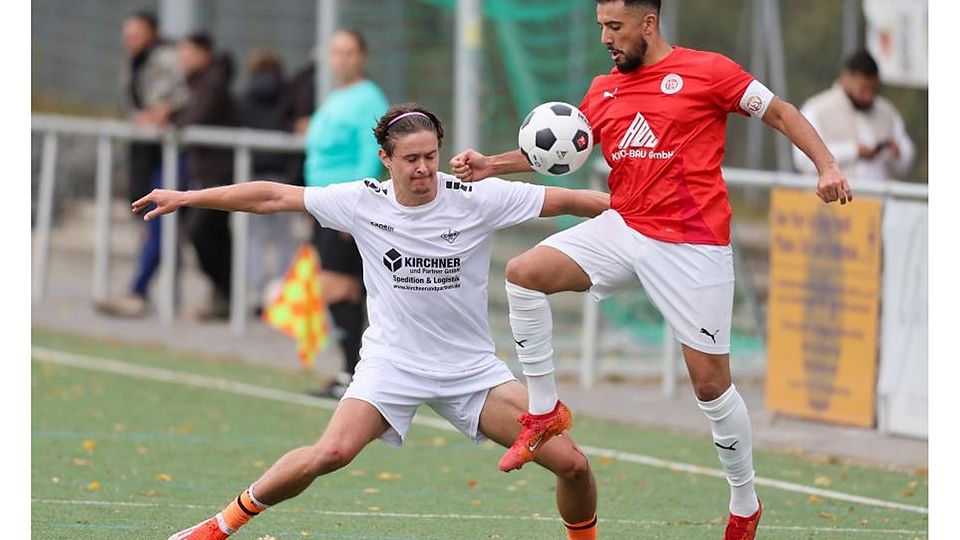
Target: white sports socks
[532,325]
[730,424]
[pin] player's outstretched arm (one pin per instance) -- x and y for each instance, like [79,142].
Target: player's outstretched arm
[258,197]
[786,119]
[471,166]
[574,202]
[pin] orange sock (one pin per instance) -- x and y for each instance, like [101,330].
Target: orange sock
[239,512]
[585,530]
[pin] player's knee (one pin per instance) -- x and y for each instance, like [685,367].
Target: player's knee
[326,458]
[709,390]
[522,273]
[576,466]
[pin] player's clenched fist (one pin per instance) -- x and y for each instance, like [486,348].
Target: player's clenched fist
[833,186]
[471,165]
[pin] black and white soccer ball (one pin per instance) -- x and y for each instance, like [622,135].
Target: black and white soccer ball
[555,138]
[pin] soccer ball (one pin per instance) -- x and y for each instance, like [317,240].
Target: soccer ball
[555,138]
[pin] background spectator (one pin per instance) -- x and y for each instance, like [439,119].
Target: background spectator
[863,130]
[260,103]
[151,85]
[210,103]
[341,147]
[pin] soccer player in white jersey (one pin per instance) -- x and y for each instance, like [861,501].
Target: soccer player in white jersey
[425,241]
[660,118]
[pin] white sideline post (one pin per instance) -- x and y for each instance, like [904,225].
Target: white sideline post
[669,361]
[469,47]
[240,225]
[48,163]
[591,341]
[168,243]
[590,348]
[101,264]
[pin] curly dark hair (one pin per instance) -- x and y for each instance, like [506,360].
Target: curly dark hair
[390,126]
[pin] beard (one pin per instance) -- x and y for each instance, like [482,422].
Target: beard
[861,106]
[630,61]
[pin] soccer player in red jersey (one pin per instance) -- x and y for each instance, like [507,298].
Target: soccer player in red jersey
[660,118]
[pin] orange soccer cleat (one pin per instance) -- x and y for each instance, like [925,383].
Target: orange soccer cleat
[742,528]
[205,530]
[537,430]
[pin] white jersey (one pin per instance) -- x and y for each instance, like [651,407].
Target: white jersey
[426,267]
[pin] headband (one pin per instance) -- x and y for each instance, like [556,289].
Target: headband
[406,114]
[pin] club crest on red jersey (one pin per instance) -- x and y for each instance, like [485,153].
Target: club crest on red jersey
[671,84]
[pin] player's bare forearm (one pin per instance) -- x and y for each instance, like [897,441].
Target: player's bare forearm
[786,119]
[574,202]
[471,165]
[509,162]
[258,197]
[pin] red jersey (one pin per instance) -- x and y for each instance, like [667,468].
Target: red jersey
[662,129]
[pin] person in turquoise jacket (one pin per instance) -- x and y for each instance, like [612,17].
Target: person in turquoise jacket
[341,147]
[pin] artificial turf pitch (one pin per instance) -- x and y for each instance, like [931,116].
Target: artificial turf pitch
[141,448]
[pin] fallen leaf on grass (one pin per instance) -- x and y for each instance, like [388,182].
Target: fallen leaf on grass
[89,445]
[92,486]
[813,499]
[80,462]
[163,477]
[822,481]
[828,516]
[388,476]
[371,491]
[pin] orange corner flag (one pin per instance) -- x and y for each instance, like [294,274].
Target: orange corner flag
[298,310]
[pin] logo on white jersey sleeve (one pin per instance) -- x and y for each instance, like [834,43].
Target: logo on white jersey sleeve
[639,134]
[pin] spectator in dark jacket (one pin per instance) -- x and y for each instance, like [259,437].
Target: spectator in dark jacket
[260,103]
[210,103]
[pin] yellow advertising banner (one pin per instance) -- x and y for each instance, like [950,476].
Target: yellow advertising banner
[823,316]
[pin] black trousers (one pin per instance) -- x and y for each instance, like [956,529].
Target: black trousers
[209,232]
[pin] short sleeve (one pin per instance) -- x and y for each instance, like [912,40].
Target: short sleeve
[333,206]
[728,83]
[504,203]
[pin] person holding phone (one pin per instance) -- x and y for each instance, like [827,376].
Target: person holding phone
[862,129]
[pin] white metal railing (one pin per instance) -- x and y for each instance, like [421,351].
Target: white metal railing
[734,177]
[243,141]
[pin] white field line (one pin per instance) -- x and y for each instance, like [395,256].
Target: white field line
[479,517]
[202,381]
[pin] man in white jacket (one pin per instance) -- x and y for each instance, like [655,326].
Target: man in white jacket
[863,130]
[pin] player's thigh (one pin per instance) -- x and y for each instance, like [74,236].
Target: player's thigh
[503,406]
[355,423]
[498,422]
[596,254]
[548,270]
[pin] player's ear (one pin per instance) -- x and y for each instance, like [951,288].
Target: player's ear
[651,22]
[384,158]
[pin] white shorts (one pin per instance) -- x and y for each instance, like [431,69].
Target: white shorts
[397,394]
[690,284]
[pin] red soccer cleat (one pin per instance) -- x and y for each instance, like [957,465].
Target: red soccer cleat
[743,528]
[537,429]
[205,530]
